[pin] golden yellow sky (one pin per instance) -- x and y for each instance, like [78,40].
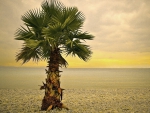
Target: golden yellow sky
[121,29]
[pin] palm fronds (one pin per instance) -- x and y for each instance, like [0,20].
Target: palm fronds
[53,26]
[27,53]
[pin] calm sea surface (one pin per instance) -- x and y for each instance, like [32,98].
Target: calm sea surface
[30,78]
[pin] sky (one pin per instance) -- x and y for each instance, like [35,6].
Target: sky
[121,29]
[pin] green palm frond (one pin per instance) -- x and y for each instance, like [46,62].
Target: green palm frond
[52,7]
[46,49]
[34,21]
[83,36]
[81,50]
[73,19]
[32,44]
[34,18]
[23,34]
[27,53]
[52,30]
[72,35]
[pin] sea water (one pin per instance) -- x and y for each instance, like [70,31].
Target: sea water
[76,78]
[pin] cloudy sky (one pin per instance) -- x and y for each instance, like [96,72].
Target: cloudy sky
[121,29]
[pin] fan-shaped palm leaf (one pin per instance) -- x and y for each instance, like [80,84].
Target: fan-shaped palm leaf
[27,53]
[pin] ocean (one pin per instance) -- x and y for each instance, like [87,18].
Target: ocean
[76,78]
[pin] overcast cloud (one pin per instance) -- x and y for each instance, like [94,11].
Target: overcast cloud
[118,25]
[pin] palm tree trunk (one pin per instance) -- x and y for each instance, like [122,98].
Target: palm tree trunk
[53,92]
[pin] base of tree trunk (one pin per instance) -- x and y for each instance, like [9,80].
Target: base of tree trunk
[50,101]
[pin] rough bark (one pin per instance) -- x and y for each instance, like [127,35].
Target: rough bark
[53,92]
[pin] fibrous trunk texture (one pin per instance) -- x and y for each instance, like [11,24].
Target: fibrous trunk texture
[53,92]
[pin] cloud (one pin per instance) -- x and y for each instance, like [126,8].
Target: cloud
[118,25]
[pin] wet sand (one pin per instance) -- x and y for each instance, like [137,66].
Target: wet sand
[123,100]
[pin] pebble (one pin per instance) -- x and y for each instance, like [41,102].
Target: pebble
[78,101]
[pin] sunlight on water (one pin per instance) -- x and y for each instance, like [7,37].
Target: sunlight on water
[106,78]
[12,77]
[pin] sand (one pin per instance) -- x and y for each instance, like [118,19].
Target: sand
[78,101]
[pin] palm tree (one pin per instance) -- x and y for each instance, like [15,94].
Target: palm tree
[48,33]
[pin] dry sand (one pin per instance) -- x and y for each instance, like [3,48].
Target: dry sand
[78,100]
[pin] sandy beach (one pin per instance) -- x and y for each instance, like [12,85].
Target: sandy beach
[78,100]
